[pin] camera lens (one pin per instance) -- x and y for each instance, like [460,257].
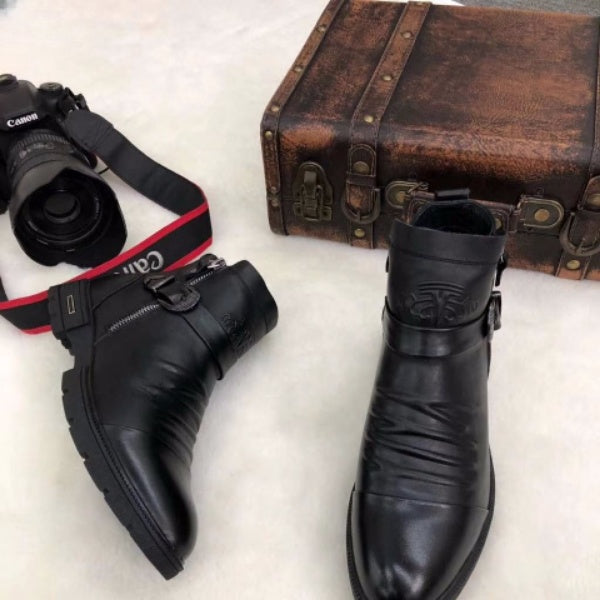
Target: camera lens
[61,207]
[64,212]
[61,210]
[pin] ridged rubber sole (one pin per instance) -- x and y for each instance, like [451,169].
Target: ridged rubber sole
[459,582]
[99,459]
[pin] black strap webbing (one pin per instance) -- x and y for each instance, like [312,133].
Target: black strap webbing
[169,248]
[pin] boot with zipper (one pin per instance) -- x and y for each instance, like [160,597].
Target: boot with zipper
[424,495]
[148,350]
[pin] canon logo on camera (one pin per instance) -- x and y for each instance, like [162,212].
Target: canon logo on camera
[22,120]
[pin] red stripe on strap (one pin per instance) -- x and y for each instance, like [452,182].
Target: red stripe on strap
[180,263]
[42,329]
[23,301]
[188,257]
[115,262]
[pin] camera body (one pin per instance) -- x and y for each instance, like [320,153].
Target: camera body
[61,210]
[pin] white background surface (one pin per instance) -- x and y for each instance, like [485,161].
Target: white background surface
[277,451]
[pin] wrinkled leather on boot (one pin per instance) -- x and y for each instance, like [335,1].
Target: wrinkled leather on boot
[148,351]
[424,494]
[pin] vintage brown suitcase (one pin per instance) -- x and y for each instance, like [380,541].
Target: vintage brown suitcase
[390,102]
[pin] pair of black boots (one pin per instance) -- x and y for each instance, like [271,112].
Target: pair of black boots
[149,349]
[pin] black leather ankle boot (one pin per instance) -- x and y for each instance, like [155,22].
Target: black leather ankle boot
[148,351]
[424,495]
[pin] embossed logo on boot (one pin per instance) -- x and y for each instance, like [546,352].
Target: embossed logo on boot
[439,304]
[241,337]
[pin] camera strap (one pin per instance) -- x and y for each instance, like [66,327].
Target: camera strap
[170,248]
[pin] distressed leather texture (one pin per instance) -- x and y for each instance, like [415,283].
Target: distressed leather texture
[431,97]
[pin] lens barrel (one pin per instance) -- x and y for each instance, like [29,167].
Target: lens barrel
[61,210]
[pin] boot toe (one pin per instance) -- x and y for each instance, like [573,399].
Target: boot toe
[161,479]
[411,550]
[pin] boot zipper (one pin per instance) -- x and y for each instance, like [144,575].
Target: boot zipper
[210,269]
[132,317]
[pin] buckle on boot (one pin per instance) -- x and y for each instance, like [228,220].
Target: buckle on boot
[155,282]
[502,264]
[171,293]
[494,315]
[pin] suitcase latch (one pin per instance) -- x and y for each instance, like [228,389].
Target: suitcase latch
[313,194]
[398,193]
[540,214]
[580,235]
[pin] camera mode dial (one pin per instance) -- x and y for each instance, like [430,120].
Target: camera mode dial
[51,87]
[7,81]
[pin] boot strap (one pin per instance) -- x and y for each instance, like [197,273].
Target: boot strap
[435,343]
[178,295]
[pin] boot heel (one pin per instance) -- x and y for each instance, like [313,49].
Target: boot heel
[69,308]
[258,289]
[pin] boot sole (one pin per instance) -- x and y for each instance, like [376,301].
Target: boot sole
[458,583]
[90,440]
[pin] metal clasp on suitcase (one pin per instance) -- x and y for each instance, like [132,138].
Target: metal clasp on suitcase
[398,193]
[313,194]
[583,249]
[358,218]
[543,215]
[532,213]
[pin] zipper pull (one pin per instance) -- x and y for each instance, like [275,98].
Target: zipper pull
[216,264]
[207,265]
[175,292]
[209,262]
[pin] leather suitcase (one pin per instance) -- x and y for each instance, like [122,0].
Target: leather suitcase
[389,103]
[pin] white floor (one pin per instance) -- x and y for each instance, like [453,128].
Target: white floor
[277,451]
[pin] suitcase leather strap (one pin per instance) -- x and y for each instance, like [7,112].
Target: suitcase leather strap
[362,199]
[580,236]
[271,120]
